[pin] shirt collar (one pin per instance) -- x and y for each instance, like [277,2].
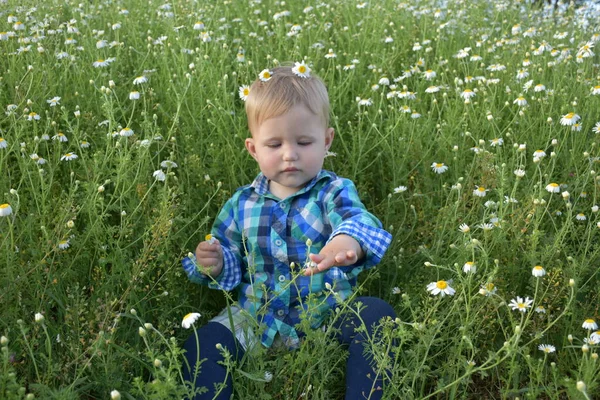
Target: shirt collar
[261,183]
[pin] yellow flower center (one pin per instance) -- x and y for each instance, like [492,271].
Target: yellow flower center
[5,205]
[590,321]
[266,75]
[68,154]
[538,268]
[439,165]
[569,115]
[441,285]
[207,237]
[469,263]
[597,87]
[490,286]
[481,189]
[246,91]
[554,185]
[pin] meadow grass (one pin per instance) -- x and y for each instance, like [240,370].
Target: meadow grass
[470,129]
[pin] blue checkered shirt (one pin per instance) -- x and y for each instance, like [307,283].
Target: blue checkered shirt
[262,235]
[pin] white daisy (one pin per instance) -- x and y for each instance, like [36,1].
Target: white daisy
[5,210]
[569,119]
[189,320]
[301,69]
[538,271]
[547,348]
[589,324]
[520,304]
[439,168]
[440,287]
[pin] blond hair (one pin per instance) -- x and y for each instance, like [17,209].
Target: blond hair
[282,92]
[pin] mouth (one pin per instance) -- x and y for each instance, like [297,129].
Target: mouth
[291,169]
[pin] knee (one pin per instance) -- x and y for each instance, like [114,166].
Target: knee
[374,309]
[204,342]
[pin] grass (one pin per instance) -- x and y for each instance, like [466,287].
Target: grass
[93,244]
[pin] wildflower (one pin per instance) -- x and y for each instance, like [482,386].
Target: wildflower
[595,336]
[3,143]
[432,89]
[467,94]
[522,74]
[519,173]
[440,287]
[330,54]
[539,88]
[69,157]
[265,75]
[469,267]
[439,168]
[547,348]
[569,119]
[198,26]
[101,63]
[479,191]
[538,271]
[243,92]
[580,217]
[301,69]
[488,289]
[520,101]
[540,310]
[429,74]
[520,304]
[553,187]
[596,128]
[400,189]
[84,144]
[396,290]
[487,226]
[538,155]
[63,244]
[365,102]
[576,127]
[596,90]
[464,228]
[126,132]
[5,210]
[33,116]
[115,395]
[589,324]
[135,95]
[168,164]
[53,101]
[268,376]
[496,142]
[189,320]
[415,115]
[139,80]
[60,137]
[159,175]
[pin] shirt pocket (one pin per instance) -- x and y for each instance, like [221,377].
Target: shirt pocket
[311,222]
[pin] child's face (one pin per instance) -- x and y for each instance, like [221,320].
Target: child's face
[290,149]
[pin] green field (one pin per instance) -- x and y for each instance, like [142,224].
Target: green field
[469,127]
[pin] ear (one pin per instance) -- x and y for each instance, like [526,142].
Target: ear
[251,147]
[329,134]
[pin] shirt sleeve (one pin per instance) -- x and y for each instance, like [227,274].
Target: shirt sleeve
[226,230]
[349,216]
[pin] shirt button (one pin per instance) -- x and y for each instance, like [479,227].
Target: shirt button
[278,242]
[281,313]
[281,278]
[282,205]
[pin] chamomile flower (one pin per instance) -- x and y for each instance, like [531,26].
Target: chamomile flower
[519,172]
[243,92]
[547,348]
[364,102]
[159,175]
[439,168]
[538,155]
[589,324]
[64,244]
[126,132]
[53,102]
[470,267]
[596,128]
[100,63]
[168,164]
[540,309]
[135,95]
[580,217]
[596,90]
[5,210]
[441,288]
[488,289]
[432,89]
[520,101]
[69,157]
[464,228]
[496,142]
[538,271]
[569,119]
[301,69]
[330,54]
[139,80]
[467,94]
[32,116]
[520,304]
[480,191]
[265,75]
[3,143]
[396,290]
[189,320]
[553,187]
[429,74]
[400,189]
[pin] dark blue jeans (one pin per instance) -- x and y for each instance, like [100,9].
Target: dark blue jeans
[359,371]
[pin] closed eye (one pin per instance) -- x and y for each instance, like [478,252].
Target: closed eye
[305,143]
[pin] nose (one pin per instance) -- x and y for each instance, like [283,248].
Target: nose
[290,153]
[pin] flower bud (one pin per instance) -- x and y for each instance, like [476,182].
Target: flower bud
[581,386]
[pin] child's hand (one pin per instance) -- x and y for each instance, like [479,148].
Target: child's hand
[341,251]
[209,257]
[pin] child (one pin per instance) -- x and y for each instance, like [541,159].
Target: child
[263,231]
